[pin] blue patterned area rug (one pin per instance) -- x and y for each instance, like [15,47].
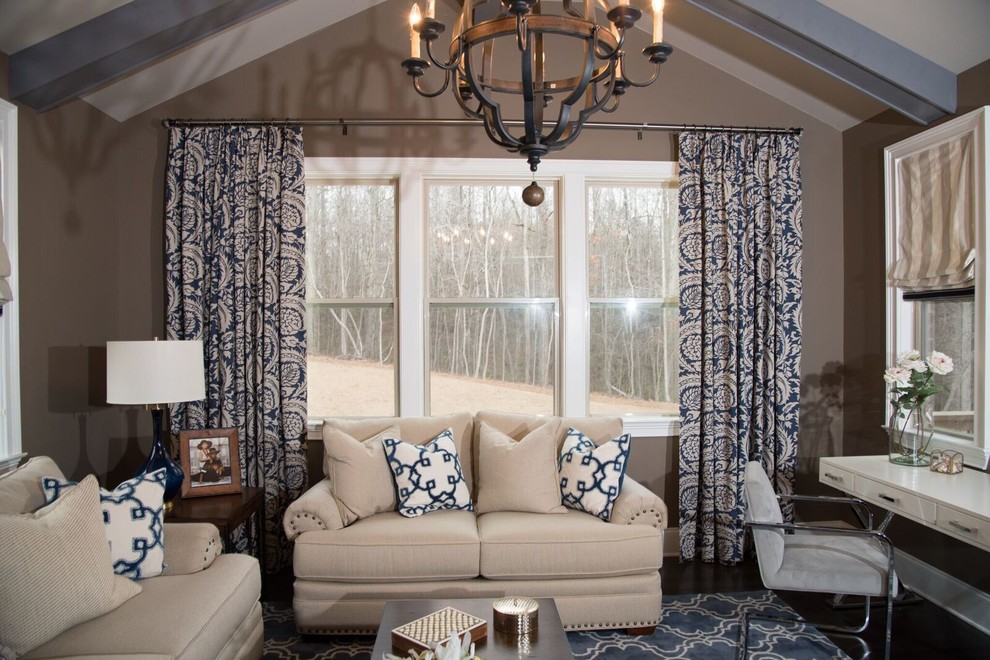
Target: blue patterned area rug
[694,626]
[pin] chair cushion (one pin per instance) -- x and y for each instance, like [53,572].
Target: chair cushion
[360,479]
[180,616]
[762,506]
[591,476]
[831,563]
[132,520]
[519,476]
[427,477]
[572,545]
[55,569]
[20,489]
[389,547]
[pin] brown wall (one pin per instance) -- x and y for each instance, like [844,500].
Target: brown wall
[91,220]
[865,348]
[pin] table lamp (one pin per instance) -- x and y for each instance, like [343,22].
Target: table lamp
[155,374]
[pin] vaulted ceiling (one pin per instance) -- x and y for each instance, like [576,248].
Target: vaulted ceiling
[841,61]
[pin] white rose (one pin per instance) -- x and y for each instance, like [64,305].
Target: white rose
[899,376]
[940,363]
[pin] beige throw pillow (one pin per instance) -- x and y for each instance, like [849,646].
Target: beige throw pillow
[55,569]
[360,478]
[519,476]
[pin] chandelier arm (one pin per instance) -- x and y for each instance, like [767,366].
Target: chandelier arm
[455,57]
[496,131]
[472,113]
[653,78]
[443,88]
[604,54]
[484,99]
[532,132]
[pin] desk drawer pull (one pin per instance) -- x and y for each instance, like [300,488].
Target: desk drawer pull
[887,498]
[834,477]
[961,527]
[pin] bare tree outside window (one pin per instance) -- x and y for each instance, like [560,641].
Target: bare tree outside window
[493,298]
[350,298]
[633,294]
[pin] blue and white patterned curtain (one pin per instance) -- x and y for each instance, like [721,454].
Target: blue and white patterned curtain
[234,260]
[740,328]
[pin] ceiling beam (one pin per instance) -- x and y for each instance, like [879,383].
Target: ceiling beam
[894,75]
[88,56]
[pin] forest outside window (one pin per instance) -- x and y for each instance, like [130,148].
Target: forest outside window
[433,289]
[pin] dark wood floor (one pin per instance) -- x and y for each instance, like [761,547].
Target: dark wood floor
[921,630]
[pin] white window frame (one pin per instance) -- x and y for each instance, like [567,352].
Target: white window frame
[10,373]
[571,177]
[903,320]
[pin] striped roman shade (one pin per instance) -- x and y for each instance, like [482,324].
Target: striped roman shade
[936,232]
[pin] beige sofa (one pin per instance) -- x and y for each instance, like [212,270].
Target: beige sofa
[204,606]
[603,575]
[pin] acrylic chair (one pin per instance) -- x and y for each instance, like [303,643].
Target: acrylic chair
[804,557]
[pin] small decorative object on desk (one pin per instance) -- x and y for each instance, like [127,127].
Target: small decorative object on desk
[424,638]
[912,386]
[515,615]
[947,462]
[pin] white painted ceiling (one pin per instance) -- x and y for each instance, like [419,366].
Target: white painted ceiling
[951,33]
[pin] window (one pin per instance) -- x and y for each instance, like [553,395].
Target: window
[568,308]
[10,399]
[350,298]
[929,318]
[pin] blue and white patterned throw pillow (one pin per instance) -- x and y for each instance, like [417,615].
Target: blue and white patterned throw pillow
[132,520]
[427,477]
[591,476]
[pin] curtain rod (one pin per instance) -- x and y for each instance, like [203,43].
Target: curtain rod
[344,123]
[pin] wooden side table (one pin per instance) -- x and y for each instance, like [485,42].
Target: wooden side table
[227,512]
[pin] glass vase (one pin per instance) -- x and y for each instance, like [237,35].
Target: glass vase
[909,433]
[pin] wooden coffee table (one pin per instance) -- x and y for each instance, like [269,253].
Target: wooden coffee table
[550,642]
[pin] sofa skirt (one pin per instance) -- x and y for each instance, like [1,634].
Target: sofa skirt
[628,601]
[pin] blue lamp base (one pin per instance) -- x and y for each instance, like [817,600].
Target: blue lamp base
[159,458]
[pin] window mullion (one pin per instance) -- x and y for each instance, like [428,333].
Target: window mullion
[574,294]
[413,375]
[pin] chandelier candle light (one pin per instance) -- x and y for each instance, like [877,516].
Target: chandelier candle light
[597,82]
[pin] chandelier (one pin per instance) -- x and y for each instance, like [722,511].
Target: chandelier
[569,67]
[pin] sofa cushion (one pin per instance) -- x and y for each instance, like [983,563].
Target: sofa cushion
[20,489]
[360,478]
[418,430]
[391,548]
[591,476]
[181,616]
[572,545]
[427,477]
[55,569]
[519,476]
[132,520]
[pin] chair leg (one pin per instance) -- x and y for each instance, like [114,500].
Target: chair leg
[743,637]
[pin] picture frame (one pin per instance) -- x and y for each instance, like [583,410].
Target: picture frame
[210,461]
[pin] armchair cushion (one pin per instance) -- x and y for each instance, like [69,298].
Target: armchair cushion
[762,506]
[55,570]
[831,563]
[132,520]
[190,547]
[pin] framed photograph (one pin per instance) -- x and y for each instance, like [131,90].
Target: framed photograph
[210,461]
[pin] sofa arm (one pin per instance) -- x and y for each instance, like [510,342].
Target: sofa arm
[190,547]
[638,505]
[315,509]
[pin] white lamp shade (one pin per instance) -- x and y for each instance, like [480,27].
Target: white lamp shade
[155,372]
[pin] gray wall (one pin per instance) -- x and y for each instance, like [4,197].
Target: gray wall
[862,386]
[91,218]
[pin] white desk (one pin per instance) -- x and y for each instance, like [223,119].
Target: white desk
[955,504]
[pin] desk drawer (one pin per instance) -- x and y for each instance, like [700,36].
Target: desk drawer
[964,526]
[835,477]
[894,499]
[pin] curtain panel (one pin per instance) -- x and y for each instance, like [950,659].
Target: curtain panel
[740,328]
[234,271]
[6,295]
